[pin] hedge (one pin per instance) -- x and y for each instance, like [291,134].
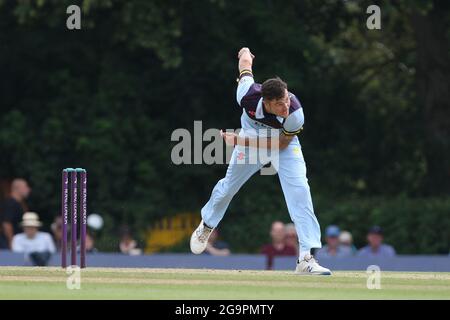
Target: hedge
[412,226]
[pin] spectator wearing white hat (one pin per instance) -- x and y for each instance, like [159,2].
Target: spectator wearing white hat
[346,240]
[37,246]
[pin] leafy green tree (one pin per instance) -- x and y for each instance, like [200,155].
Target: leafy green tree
[107,98]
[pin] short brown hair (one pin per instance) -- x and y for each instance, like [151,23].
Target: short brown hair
[273,88]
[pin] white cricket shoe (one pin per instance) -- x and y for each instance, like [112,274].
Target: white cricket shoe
[309,265]
[199,238]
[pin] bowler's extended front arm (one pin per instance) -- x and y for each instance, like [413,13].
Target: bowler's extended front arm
[280,142]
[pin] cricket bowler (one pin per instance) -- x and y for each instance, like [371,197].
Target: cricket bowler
[267,105]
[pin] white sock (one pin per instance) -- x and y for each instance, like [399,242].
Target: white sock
[303,254]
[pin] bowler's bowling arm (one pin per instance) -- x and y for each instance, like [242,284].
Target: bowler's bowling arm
[245,60]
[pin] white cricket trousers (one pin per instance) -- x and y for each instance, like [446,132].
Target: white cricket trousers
[292,174]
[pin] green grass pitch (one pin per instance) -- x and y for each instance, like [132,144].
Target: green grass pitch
[127,283]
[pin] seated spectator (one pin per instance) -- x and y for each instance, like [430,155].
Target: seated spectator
[346,241]
[291,236]
[376,248]
[216,247]
[332,248]
[278,247]
[56,228]
[90,243]
[37,246]
[127,244]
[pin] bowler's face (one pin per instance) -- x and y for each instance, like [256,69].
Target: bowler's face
[280,107]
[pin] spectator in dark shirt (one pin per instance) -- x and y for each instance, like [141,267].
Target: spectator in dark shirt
[376,248]
[278,247]
[12,210]
[216,247]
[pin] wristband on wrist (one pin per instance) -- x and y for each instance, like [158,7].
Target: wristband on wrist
[245,72]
